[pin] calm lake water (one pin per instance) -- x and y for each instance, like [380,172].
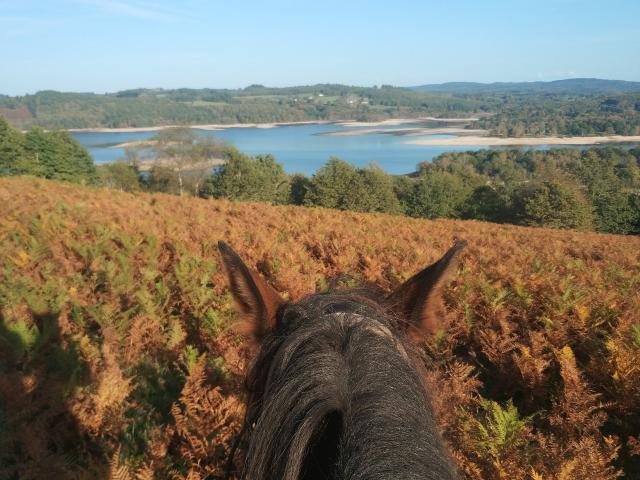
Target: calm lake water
[299,148]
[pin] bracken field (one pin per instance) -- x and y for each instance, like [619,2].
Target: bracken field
[119,357]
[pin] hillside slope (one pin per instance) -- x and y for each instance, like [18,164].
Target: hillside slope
[117,355]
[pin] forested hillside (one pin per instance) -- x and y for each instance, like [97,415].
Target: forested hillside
[565,114]
[254,104]
[576,107]
[118,358]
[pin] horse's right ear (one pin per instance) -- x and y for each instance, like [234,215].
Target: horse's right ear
[418,300]
[255,299]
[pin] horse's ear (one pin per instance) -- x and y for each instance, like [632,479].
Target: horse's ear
[419,299]
[256,300]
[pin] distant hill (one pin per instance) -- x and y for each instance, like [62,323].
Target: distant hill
[572,85]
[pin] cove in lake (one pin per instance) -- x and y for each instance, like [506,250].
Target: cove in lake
[299,148]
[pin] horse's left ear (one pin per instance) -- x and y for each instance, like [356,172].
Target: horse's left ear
[418,299]
[256,300]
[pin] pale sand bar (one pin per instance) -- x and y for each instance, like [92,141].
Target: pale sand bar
[212,126]
[403,121]
[524,141]
[147,165]
[411,131]
[222,126]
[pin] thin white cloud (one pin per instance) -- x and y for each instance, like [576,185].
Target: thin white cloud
[141,10]
[20,25]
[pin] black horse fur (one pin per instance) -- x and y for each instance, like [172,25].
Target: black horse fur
[336,389]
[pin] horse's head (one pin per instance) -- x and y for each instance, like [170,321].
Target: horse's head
[413,306]
[331,355]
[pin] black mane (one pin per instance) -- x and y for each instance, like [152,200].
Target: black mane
[335,393]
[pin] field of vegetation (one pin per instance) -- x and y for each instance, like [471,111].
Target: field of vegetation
[119,359]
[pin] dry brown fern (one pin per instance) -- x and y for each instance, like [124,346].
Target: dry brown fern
[206,424]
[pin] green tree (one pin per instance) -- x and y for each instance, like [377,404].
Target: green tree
[54,155]
[12,155]
[189,155]
[635,204]
[242,177]
[340,185]
[610,178]
[436,195]
[487,203]
[74,164]
[551,204]
[57,156]
[161,179]
[402,187]
[299,186]
[378,191]
[119,175]
[333,185]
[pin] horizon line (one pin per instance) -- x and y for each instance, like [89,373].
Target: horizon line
[498,82]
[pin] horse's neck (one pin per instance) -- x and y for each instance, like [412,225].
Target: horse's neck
[389,432]
[345,406]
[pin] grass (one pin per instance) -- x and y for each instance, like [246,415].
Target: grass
[118,356]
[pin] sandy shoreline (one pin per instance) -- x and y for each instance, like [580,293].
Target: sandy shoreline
[404,132]
[403,121]
[411,131]
[222,126]
[133,143]
[463,136]
[147,165]
[474,140]
[211,126]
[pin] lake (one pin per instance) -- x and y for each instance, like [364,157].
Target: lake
[299,148]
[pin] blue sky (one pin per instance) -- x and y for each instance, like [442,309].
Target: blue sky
[109,45]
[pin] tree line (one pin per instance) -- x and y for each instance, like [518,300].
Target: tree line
[54,155]
[541,115]
[592,189]
[536,113]
[254,104]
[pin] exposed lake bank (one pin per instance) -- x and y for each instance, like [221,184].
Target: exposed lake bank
[413,131]
[147,165]
[475,140]
[459,135]
[298,147]
[209,126]
[396,145]
[222,126]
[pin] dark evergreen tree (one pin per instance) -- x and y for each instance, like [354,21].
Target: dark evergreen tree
[12,155]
